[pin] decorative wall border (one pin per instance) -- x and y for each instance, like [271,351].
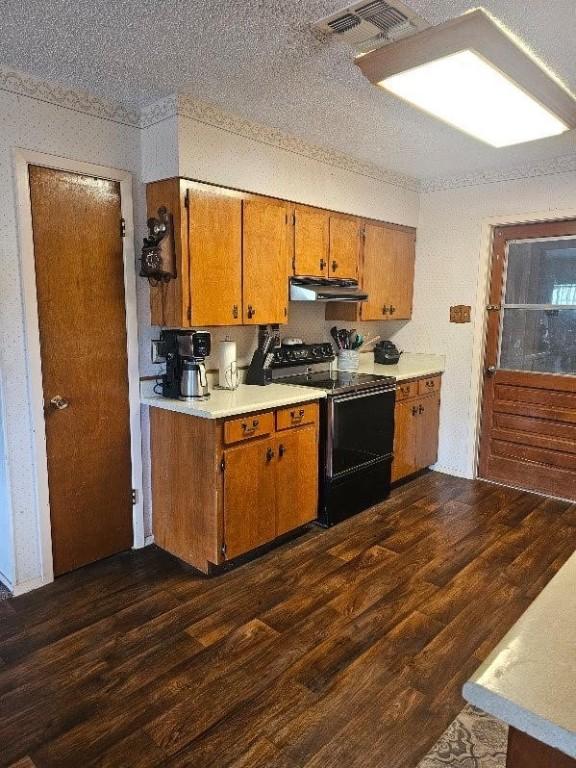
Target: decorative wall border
[176,105]
[560,164]
[79,101]
[210,114]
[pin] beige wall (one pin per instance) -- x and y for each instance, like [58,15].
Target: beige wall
[451,268]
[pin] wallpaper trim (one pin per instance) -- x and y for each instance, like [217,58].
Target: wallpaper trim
[69,98]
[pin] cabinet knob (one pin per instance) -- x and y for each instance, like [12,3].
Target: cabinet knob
[251,311]
[270,454]
[414,410]
[334,265]
[384,310]
[281,450]
[322,265]
[235,311]
[392,309]
[420,409]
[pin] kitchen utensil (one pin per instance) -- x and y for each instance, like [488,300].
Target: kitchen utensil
[370,341]
[343,335]
[334,334]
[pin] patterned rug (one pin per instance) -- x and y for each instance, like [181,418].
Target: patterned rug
[473,740]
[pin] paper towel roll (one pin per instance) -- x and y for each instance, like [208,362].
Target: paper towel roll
[227,368]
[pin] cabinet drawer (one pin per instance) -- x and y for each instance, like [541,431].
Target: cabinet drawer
[406,389]
[430,384]
[296,416]
[251,425]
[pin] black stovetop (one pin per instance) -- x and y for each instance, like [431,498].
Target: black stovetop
[338,381]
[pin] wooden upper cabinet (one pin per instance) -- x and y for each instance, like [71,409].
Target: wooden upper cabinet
[215,248]
[311,241]
[387,272]
[402,254]
[267,260]
[345,241]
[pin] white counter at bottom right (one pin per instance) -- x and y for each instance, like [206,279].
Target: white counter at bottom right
[529,679]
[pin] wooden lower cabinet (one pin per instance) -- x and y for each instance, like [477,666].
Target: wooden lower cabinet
[213,501]
[296,478]
[417,420]
[249,496]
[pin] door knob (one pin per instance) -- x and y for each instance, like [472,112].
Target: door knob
[491,370]
[58,403]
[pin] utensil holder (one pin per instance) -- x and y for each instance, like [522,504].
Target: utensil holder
[348,360]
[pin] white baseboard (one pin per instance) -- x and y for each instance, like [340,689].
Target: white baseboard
[452,471]
[28,586]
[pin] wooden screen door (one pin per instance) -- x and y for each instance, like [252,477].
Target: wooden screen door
[528,426]
[76,222]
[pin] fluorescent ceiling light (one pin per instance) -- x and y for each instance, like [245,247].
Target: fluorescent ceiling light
[469,93]
[475,76]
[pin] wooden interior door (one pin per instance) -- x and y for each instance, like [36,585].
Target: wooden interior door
[82,319]
[528,425]
[215,246]
[296,478]
[344,246]
[311,241]
[249,496]
[376,272]
[267,260]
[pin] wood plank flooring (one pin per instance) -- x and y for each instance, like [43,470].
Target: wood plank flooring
[345,647]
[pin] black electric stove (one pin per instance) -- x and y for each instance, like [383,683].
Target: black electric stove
[336,382]
[356,432]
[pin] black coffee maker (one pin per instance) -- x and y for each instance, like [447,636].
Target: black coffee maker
[184,353]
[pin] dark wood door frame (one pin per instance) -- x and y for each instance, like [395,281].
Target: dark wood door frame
[496,274]
[24,158]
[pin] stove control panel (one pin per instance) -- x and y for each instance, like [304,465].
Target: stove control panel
[302,354]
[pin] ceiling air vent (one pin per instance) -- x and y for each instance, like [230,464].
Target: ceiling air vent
[370,25]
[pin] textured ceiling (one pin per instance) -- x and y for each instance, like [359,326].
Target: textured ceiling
[257,58]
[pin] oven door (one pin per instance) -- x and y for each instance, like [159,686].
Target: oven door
[360,430]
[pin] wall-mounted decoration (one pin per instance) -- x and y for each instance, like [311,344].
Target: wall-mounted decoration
[460,313]
[157,261]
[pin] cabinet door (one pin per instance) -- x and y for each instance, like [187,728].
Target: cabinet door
[344,246]
[402,253]
[311,241]
[249,496]
[428,422]
[267,260]
[405,437]
[376,272]
[388,273]
[296,478]
[215,247]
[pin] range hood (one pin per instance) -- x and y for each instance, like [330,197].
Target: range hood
[325,289]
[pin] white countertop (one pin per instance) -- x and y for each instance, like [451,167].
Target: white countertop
[410,366]
[250,398]
[529,679]
[246,399]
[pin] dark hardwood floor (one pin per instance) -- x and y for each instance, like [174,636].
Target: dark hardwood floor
[345,647]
